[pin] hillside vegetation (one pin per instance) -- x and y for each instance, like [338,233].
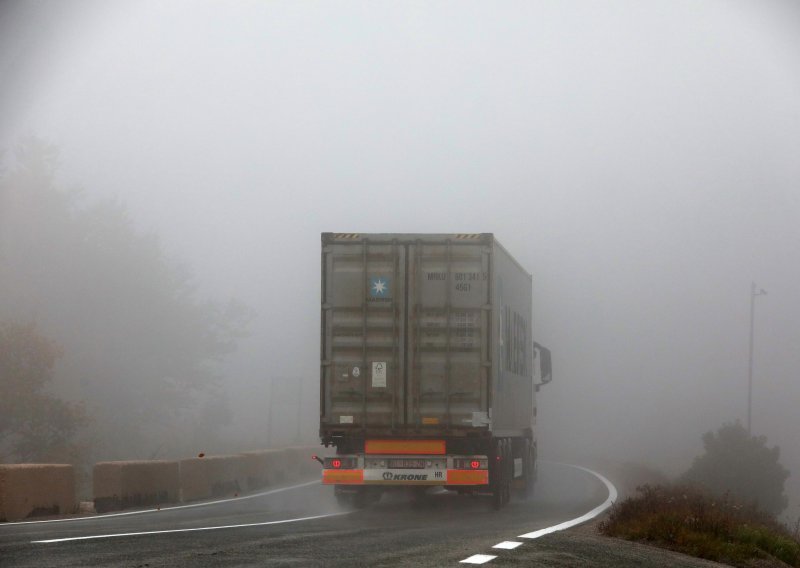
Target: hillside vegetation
[722,509]
[688,520]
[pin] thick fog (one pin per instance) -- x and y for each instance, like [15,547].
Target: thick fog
[640,159]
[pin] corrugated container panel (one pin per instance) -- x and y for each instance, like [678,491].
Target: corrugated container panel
[449,305]
[513,396]
[363,318]
[424,333]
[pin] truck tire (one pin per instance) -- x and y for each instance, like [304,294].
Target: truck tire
[420,498]
[530,475]
[353,499]
[509,473]
[502,478]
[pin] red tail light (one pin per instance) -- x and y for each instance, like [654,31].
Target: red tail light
[340,462]
[473,462]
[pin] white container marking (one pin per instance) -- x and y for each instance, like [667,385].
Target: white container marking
[379,374]
[478,559]
[507,545]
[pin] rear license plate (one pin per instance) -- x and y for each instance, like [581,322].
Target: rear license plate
[405,463]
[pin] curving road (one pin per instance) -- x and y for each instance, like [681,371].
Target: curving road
[301,525]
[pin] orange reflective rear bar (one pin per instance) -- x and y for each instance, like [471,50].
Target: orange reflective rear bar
[342,476]
[405,447]
[467,477]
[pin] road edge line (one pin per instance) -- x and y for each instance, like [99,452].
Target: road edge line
[190,529]
[613,494]
[612,497]
[161,509]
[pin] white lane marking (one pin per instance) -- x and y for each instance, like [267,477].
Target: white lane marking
[478,559]
[193,529]
[142,511]
[612,496]
[507,545]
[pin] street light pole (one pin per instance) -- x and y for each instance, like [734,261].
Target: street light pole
[271,410]
[300,412]
[753,294]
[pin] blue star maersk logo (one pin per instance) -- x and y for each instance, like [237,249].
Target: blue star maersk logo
[378,287]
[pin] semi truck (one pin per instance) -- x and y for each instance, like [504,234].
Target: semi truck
[428,368]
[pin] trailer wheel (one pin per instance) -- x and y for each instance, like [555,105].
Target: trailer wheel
[502,496]
[528,473]
[509,470]
[420,498]
[502,482]
[354,499]
[343,500]
[497,498]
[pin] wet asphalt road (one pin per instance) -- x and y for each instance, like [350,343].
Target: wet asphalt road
[447,529]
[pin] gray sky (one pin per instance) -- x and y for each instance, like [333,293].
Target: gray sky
[641,159]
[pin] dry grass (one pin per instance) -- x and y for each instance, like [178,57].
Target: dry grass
[689,521]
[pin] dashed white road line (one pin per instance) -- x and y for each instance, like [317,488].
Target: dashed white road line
[478,559]
[193,529]
[507,545]
[173,508]
[510,545]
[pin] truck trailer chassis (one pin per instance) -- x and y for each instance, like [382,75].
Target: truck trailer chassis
[505,465]
[427,374]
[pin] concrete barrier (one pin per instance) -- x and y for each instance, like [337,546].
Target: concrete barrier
[36,489]
[194,479]
[125,484]
[270,467]
[213,476]
[264,468]
[300,463]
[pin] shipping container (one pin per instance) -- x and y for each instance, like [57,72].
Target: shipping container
[426,350]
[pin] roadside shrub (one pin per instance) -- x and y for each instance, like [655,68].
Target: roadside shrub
[743,465]
[691,521]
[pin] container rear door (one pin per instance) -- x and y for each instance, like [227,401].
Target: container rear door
[363,335]
[449,324]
